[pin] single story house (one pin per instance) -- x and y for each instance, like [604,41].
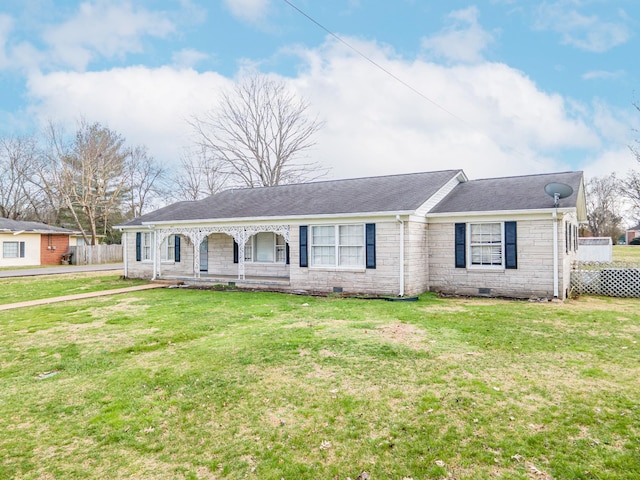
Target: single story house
[32,243]
[632,233]
[394,235]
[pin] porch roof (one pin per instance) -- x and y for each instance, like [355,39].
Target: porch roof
[392,193]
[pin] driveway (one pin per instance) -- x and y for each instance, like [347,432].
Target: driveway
[59,269]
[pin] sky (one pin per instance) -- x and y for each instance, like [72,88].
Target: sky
[494,87]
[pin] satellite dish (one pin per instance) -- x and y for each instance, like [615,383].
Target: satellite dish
[558,191]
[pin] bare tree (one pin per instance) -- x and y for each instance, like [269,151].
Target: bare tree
[89,175]
[199,177]
[630,184]
[19,198]
[259,133]
[144,181]
[603,207]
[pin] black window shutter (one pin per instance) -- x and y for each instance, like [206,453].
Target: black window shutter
[176,246]
[460,245]
[235,252]
[510,245]
[286,250]
[304,242]
[138,246]
[21,249]
[371,244]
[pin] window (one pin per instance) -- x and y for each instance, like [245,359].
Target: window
[485,244]
[13,249]
[168,249]
[323,249]
[146,246]
[281,249]
[265,247]
[338,245]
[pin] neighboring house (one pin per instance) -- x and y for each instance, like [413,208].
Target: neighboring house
[395,235]
[32,243]
[632,233]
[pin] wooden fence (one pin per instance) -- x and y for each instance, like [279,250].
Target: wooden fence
[96,254]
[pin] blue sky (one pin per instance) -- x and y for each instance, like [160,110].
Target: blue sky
[512,87]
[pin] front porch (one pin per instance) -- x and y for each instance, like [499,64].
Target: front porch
[250,256]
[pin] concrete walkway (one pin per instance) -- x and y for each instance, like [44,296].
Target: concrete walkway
[59,269]
[80,296]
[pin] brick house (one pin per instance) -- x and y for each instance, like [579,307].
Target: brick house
[394,235]
[632,233]
[32,243]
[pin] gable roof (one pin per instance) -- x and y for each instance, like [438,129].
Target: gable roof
[511,193]
[392,193]
[8,225]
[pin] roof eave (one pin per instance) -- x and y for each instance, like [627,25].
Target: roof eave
[270,219]
[532,211]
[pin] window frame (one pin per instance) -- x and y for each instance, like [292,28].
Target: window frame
[475,245]
[168,249]
[146,246]
[251,249]
[338,247]
[20,249]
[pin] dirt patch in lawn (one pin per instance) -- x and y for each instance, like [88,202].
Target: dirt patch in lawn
[123,305]
[403,334]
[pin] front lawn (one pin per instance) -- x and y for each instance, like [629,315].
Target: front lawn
[191,384]
[21,289]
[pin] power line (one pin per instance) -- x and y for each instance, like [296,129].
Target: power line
[391,74]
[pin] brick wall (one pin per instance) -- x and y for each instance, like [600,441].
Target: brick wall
[52,247]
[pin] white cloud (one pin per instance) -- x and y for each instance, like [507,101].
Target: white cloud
[6,25]
[602,75]
[188,58]
[607,161]
[104,28]
[147,106]
[21,55]
[586,32]
[252,11]
[463,40]
[373,124]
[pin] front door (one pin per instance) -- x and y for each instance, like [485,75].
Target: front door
[204,255]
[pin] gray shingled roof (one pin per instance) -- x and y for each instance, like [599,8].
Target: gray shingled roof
[8,225]
[508,193]
[393,193]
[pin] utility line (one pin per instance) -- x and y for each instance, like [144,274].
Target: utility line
[391,74]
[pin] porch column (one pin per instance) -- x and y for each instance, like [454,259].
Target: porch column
[240,236]
[156,251]
[196,238]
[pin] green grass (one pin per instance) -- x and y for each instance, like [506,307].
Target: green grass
[626,253]
[191,384]
[21,289]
